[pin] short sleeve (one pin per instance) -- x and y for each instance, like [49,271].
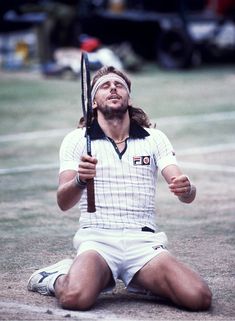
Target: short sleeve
[71,150]
[164,153]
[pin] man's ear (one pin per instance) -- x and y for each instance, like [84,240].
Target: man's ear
[94,105]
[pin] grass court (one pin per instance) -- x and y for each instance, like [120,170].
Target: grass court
[196,109]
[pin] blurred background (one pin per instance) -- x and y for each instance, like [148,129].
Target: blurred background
[48,36]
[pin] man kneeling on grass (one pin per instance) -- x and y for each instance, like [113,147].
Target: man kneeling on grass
[121,239]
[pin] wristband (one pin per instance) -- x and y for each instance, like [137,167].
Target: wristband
[80,184]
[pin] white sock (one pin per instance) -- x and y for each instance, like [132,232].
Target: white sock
[51,284]
[63,268]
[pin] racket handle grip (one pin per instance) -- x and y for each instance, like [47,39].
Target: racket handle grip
[90,196]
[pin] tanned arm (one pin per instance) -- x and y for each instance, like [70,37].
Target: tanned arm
[179,184]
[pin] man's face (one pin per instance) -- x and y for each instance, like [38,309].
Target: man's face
[112,99]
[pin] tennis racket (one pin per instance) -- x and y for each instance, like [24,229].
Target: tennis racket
[87,114]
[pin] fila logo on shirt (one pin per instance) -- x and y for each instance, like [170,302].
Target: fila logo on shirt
[141,160]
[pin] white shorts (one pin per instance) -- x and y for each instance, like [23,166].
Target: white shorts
[126,251]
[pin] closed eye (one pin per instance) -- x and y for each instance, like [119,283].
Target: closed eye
[119,85]
[105,85]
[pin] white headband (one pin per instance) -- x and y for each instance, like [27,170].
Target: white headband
[106,78]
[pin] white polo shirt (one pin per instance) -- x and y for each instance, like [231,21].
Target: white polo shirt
[125,183]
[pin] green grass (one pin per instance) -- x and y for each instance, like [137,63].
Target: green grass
[28,105]
[39,104]
[185,93]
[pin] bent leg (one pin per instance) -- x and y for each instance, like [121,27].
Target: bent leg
[88,276]
[169,278]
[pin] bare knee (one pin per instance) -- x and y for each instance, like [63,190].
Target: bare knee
[79,289]
[79,299]
[75,301]
[200,298]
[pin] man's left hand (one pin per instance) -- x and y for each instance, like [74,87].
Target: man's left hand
[180,185]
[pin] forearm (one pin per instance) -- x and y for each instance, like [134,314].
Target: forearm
[72,183]
[69,194]
[189,196]
[179,184]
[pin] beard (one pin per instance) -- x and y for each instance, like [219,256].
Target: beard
[111,113]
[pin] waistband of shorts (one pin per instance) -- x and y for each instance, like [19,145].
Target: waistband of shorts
[143,229]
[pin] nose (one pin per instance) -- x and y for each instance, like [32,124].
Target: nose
[112,86]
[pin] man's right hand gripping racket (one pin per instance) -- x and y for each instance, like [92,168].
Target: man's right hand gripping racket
[87,113]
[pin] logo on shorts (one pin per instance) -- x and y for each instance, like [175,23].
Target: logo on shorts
[141,160]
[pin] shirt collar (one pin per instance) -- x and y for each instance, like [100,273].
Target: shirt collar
[136,131]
